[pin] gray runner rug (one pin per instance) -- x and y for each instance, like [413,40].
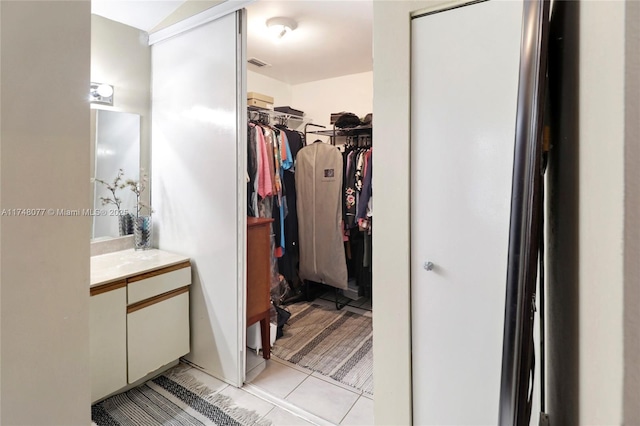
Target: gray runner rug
[335,343]
[174,398]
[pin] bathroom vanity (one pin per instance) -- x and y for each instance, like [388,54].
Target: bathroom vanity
[139,310]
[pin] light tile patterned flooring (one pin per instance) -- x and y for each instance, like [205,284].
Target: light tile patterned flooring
[325,399]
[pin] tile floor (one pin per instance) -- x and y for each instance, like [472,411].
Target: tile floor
[316,399]
[310,391]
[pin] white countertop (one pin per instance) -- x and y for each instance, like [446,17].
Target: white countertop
[127,263]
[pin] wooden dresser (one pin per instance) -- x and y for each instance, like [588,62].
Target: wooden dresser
[259,278]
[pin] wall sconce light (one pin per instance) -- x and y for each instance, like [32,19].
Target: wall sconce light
[281,26]
[101,93]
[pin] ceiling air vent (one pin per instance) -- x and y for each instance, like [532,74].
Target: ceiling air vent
[258,63]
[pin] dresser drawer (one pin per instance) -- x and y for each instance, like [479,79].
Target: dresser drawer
[145,286]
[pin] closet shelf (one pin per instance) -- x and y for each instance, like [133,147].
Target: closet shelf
[275,114]
[348,131]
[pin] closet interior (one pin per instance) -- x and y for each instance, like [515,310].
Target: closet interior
[309,174]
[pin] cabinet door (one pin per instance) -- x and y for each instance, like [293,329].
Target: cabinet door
[108,342]
[157,334]
[465,65]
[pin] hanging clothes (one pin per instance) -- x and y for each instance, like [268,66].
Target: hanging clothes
[357,205]
[274,151]
[271,191]
[252,172]
[366,193]
[288,263]
[319,170]
[265,183]
[349,190]
[261,188]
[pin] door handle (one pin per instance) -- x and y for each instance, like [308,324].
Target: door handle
[428,266]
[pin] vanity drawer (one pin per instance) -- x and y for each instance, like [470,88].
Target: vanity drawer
[148,285]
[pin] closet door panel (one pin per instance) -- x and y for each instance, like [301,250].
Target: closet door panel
[197,152]
[465,65]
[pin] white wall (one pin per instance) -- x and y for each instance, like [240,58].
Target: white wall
[350,93]
[602,43]
[632,217]
[121,56]
[44,270]
[0,205]
[280,91]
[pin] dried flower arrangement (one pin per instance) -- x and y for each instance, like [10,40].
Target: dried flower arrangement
[139,225]
[112,187]
[138,187]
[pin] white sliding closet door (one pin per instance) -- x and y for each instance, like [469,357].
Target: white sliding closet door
[465,65]
[198,155]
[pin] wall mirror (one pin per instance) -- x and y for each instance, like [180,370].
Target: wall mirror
[117,146]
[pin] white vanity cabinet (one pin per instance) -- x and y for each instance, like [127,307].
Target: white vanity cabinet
[108,325]
[139,312]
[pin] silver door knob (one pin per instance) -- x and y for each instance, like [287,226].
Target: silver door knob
[429,266]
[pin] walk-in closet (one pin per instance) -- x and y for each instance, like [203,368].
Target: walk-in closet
[310,206]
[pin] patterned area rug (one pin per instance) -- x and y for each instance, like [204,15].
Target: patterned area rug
[335,343]
[174,398]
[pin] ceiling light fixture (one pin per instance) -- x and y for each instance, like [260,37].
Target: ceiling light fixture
[281,26]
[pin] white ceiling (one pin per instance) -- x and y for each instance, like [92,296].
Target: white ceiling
[333,37]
